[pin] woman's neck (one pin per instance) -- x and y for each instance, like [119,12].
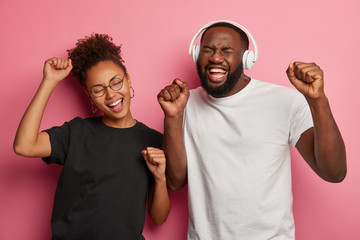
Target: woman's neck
[125,122]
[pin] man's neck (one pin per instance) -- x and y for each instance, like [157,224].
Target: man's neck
[240,85]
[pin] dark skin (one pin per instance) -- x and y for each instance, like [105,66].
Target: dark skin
[223,52]
[321,146]
[31,142]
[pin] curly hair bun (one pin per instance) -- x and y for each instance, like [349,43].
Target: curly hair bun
[91,50]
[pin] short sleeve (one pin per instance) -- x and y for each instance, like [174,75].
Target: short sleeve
[301,121]
[59,140]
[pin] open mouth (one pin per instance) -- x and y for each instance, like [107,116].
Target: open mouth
[116,106]
[217,74]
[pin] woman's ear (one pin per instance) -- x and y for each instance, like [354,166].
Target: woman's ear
[93,105]
[87,92]
[128,79]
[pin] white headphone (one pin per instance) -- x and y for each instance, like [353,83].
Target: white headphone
[248,58]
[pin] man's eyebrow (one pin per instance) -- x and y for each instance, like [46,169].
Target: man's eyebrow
[227,48]
[207,46]
[223,48]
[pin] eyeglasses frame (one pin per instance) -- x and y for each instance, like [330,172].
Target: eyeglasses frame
[105,87]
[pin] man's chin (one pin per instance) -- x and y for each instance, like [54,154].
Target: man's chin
[215,91]
[215,84]
[221,88]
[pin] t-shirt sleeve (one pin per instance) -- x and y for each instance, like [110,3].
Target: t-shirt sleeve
[59,140]
[301,120]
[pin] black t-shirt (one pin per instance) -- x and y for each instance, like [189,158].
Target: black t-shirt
[101,193]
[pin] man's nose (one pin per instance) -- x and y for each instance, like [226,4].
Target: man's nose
[216,57]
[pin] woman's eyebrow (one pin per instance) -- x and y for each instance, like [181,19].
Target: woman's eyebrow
[114,77]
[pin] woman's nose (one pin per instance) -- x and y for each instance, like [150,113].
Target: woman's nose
[109,92]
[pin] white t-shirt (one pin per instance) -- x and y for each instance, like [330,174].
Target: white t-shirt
[238,151]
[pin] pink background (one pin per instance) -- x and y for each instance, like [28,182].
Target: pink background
[155,37]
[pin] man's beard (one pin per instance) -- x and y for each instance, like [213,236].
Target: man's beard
[224,89]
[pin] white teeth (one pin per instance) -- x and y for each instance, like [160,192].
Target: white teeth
[115,103]
[217,70]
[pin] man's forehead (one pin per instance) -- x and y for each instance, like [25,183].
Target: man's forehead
[221,34]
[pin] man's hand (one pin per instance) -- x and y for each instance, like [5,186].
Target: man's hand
[307,78]
[173,98]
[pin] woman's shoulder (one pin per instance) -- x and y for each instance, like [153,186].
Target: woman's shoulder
[79,122]
[148,135]
[84,120]
[143,127]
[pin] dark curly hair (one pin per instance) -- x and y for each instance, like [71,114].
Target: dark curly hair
[91,50]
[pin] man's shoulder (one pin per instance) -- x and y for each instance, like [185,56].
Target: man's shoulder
[273,88]
[266,84]
[197,90]
[197,94]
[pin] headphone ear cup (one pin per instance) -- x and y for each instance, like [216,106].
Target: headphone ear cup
[248,59]
[195,53]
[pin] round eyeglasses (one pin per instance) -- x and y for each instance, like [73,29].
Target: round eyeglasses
[115,84]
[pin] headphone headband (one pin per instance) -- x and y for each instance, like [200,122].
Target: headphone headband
[249,56]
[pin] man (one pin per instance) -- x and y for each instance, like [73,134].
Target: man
[238,133]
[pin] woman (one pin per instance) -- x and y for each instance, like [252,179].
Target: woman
[101,193]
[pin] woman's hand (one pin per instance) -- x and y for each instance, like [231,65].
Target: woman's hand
[56,69]
[156,162]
